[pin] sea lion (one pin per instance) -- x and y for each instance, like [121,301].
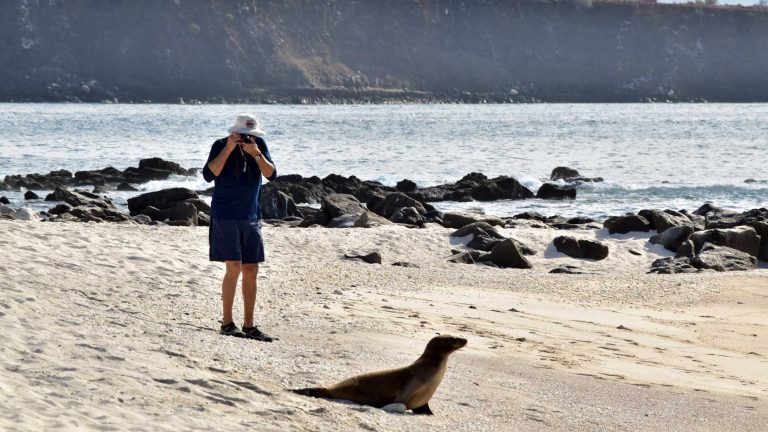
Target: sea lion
[409,387]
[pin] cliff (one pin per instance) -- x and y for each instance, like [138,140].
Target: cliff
[290,50]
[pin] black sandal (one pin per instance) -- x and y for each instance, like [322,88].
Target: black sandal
[256,334]
[232,330]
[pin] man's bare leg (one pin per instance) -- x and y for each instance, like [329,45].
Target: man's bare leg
[250,272]
[228,287]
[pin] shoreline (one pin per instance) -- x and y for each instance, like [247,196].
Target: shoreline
[134,344]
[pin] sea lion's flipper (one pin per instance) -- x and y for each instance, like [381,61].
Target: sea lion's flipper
[424,409]
[312,391]
[395,408]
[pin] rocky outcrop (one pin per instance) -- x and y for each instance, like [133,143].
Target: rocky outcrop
[328,50]
[553,191]
[25,214]
[370,258]
[473,228]
[507,254]
[673,237]
[370,220]
[175,206]
[721,258]
[395,202]
[742,238]
[276,204]
[148,169]
[570,175]
[572,247]
[460,219]
[671,265]
[79,198]
[626,224]
[336,205]
[660,220]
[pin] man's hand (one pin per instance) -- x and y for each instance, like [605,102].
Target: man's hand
[233,140]
[253,150]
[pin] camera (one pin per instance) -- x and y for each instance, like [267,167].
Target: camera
[247,139]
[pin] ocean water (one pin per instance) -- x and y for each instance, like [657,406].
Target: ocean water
[651,155]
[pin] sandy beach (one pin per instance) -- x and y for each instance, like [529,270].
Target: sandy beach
[115,327]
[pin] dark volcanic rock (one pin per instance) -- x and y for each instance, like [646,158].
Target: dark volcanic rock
[580,220]
[181,213]
[567,269]
[313,216]
[60,209]
[309,190]
[721,258]
[708,209]
[200,205]
[507,253]
[276,204]
[397,201]
[159,164]
[409,216]
[563,173]
[553,191]
[344,221]
[530,216]
[79,198]
[661,220]
[160,199]
[459,219]
[99,214]
[4,200]
[462,258]
[625,224]
[125,187]
[731,220]
[501,187]
[670,265]
[100,177]
[371,258]
[742,238]
[370,219]
[571,175]
[472,229]
[362,190]
[762,231]
[581,248]
[29,195]
[39,181]
[686,250]
[672,237]
[335,205]
[406,185]
[153,213]
[405,264]
[483,241]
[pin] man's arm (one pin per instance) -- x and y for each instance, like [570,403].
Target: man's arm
[217,164]
[263,158]
[266,167]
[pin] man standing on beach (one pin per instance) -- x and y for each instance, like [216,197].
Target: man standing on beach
[236,164]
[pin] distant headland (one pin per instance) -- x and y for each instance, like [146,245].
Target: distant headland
[324,51]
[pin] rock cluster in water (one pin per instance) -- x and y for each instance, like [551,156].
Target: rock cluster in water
[709,238]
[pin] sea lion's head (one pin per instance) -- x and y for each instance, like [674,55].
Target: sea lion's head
[445,344]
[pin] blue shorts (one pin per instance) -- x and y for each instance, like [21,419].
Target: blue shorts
[235,240]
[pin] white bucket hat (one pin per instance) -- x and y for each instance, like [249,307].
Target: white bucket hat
[247,124]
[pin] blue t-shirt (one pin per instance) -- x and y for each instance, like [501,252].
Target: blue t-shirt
[237,192]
